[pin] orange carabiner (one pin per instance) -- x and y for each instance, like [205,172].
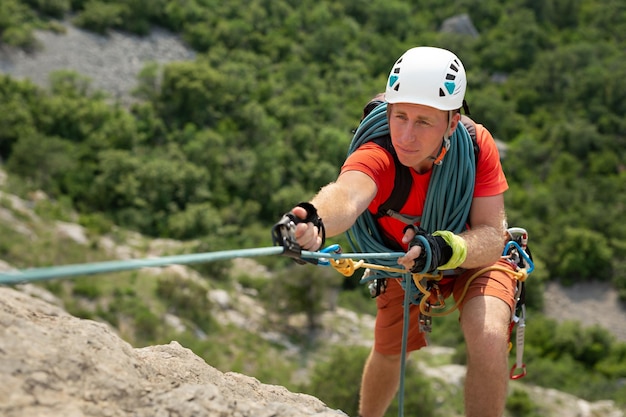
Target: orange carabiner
[518,372]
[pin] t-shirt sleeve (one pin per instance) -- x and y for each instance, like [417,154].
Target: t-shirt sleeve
[490,178]
[378,164]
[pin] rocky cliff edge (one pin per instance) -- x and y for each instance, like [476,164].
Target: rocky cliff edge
[54,364]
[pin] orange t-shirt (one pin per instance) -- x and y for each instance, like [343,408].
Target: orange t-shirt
[379,165]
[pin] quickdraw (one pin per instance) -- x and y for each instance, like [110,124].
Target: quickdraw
[518,254]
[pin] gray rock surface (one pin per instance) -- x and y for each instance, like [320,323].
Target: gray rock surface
[461,24]
[54,364]
[111,62]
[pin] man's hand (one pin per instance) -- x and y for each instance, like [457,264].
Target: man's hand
[427,252]
[414,252]
[307,234]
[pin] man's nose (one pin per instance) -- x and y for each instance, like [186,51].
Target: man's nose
[408,134]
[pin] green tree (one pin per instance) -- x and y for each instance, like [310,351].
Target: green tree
[195,92]
[44,160]
[54,8]
[100,16]
[16,121]
[17,22]
[145,191]
[513,44]
[582,254]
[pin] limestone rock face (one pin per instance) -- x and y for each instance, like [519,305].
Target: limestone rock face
[461,24]
[54,364]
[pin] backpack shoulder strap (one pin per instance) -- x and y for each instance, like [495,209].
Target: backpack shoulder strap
[401,185]
[470,125]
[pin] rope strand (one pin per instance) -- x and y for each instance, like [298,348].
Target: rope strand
[52,272]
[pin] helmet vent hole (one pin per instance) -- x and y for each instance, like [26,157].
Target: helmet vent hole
[454,68]
[397,87]
[450,76]
[396,70]
[441,93]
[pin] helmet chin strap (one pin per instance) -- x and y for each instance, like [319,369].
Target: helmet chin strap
[445,145]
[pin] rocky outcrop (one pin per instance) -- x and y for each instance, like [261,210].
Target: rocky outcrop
[111,62]
[461,24]
[54,364]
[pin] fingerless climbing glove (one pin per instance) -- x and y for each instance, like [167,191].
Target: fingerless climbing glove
[447,250]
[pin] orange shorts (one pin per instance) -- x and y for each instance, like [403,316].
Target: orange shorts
[389,319]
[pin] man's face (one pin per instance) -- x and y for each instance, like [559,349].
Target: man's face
[417,133]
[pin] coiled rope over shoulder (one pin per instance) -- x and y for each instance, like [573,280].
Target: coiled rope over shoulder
[449,196]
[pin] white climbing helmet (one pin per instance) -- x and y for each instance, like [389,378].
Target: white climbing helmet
[429,76]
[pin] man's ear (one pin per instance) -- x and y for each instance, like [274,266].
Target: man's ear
[454,122]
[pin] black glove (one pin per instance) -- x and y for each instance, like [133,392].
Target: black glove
[440,251]
[283,231]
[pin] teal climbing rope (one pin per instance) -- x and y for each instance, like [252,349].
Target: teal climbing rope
[65,271]
[450,191]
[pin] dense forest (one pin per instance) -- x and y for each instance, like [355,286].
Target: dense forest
[262,118]
[215,150]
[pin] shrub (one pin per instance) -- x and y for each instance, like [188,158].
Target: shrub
[583,254]
[187,299]
[519,404]
[54,8]
[99,16]
[336,381]
[86,287]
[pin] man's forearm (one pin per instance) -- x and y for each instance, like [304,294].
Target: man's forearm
[484,245]
[335,208]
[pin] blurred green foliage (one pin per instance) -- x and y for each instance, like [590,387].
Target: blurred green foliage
[216,149]
[336,381]
[262,117]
